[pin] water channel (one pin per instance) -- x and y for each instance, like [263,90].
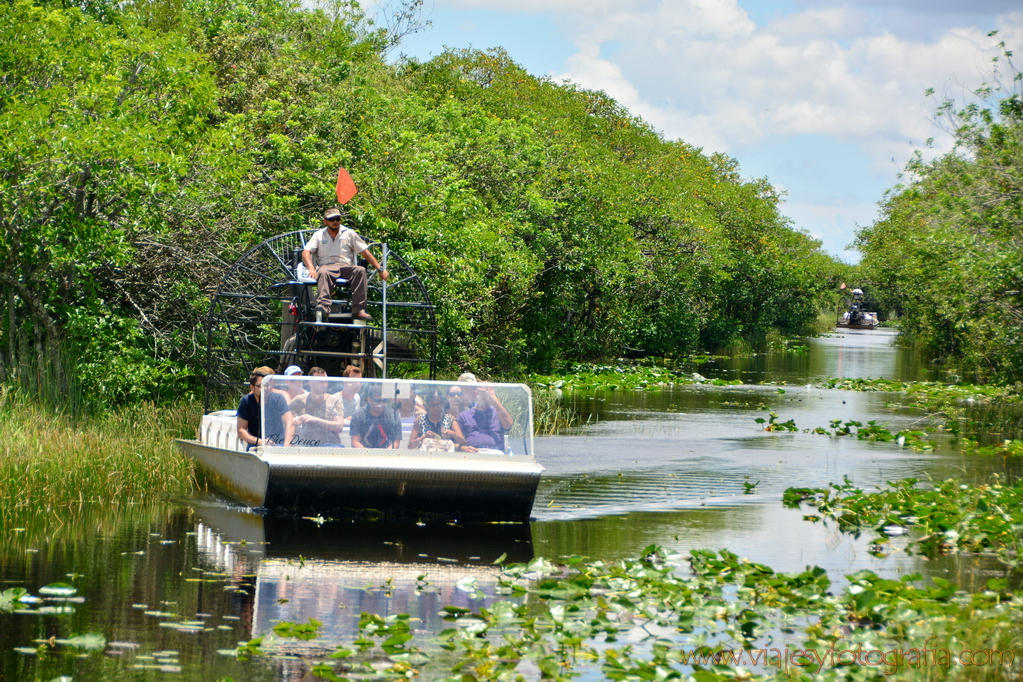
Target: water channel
[166,592]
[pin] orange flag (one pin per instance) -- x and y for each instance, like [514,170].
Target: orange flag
[345,186]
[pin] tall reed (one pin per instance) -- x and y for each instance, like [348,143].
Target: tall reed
[550,416]
[54,461]
[47,375]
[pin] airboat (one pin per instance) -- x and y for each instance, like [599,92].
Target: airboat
[857,318]
[263,314]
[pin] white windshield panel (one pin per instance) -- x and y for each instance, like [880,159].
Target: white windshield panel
[394,414]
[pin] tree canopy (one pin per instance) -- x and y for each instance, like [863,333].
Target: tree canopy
[948,249]
[146,145]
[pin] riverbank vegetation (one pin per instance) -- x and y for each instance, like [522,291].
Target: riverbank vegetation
[54,463]
[973,411]
[946,253]
[548,222]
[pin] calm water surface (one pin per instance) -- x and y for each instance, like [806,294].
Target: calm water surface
[165,591]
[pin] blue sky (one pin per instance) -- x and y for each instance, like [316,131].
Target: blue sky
[825,98]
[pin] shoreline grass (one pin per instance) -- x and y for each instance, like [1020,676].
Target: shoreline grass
[52,460]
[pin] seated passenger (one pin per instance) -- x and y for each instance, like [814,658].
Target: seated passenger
[375,424]
[350,393]
[295,388]
[268,372]
[435,424]
[455,401]
[319,416]
[280,427]
[462,397]
[409,408]
[486,424]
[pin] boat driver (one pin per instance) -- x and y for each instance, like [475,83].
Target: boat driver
[335,249]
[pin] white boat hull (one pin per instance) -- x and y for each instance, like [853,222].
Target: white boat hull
[493,486]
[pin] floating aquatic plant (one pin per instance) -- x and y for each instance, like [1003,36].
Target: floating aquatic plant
[949,517]
[774,425]
[710,618]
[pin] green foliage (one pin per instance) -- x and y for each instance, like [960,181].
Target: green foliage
[1007,448]
[57,461]
[103,128]
[772,423]
[549,415]
[875,431]
[947,251]
[636,376]
[952,402]
[146,145]
[303,631]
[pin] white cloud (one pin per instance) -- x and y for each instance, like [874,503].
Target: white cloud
[740,76]
[700,70]
[565,7]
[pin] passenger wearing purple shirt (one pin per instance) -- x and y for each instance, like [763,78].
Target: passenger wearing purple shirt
[485,424]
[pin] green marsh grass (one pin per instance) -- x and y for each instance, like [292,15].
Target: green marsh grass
[550,416]
[53,461]
[826,321]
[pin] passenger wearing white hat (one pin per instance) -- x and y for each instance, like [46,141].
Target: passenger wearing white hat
[462,397]
[294,388]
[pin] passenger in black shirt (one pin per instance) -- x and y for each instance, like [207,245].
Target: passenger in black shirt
[375,424]
[280,428]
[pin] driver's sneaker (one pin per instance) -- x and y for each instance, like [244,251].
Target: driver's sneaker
[362,315]
[322,313]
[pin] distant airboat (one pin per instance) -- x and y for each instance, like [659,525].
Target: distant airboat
[857,318]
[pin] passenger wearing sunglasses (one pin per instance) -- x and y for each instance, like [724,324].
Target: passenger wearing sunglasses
[455,396]
[375,424]
[462,397]
[335,250]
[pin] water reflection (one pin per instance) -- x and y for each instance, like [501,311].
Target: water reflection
[333,570]
[849,353]
[176,589]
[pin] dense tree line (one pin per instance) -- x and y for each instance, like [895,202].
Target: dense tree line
[947,252]
[144,146]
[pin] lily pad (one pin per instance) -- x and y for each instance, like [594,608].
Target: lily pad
[11,595]
[58,590]
[90,642]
